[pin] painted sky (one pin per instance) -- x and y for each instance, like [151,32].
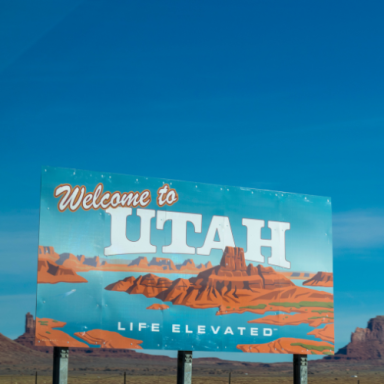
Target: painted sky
[270,95]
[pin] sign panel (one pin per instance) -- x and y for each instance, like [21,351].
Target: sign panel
[136,262]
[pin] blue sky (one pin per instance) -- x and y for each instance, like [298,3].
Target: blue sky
[271,95]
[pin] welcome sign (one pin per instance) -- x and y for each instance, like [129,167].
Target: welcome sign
[134,262]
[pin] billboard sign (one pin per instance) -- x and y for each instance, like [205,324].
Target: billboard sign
[143,263]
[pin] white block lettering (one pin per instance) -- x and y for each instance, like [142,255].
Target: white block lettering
[276,243]
[179,230]
[221,225]
[254,331]
[120,245]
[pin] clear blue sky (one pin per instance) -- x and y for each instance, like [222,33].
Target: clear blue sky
[276,95]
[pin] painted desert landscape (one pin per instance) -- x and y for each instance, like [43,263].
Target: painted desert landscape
[54,268]
[234,287]
[231,287]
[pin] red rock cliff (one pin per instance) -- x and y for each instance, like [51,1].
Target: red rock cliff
[49,272]
[321,279]
[163,262]
[231,283]
[366,343]
[232,272]
[47,253]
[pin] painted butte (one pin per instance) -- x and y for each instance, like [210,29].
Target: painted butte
[231,287]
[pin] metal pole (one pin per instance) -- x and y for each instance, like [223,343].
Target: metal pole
[36,377]
[125,377]
[60,365]
[300,369]
[230,378]
[184,367]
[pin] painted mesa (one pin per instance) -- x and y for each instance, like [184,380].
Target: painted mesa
[140,263]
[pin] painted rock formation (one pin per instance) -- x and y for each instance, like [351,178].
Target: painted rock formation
[290,345]
[287,300]
[85,264]
[188,264]
[327,333]
[233,273]
[163,263]
[51,273]
[158,306]
[67,260]
[366,343]
[321,279]
[140,264]
[148,285]
[308,317]
[298,275]
[232,286]
[189,267]
[108,339]
[47,335]
[81,263]
[47,253]
[28,340]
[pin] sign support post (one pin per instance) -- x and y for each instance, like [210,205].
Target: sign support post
[184,367]
[300,369]
[60,365]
